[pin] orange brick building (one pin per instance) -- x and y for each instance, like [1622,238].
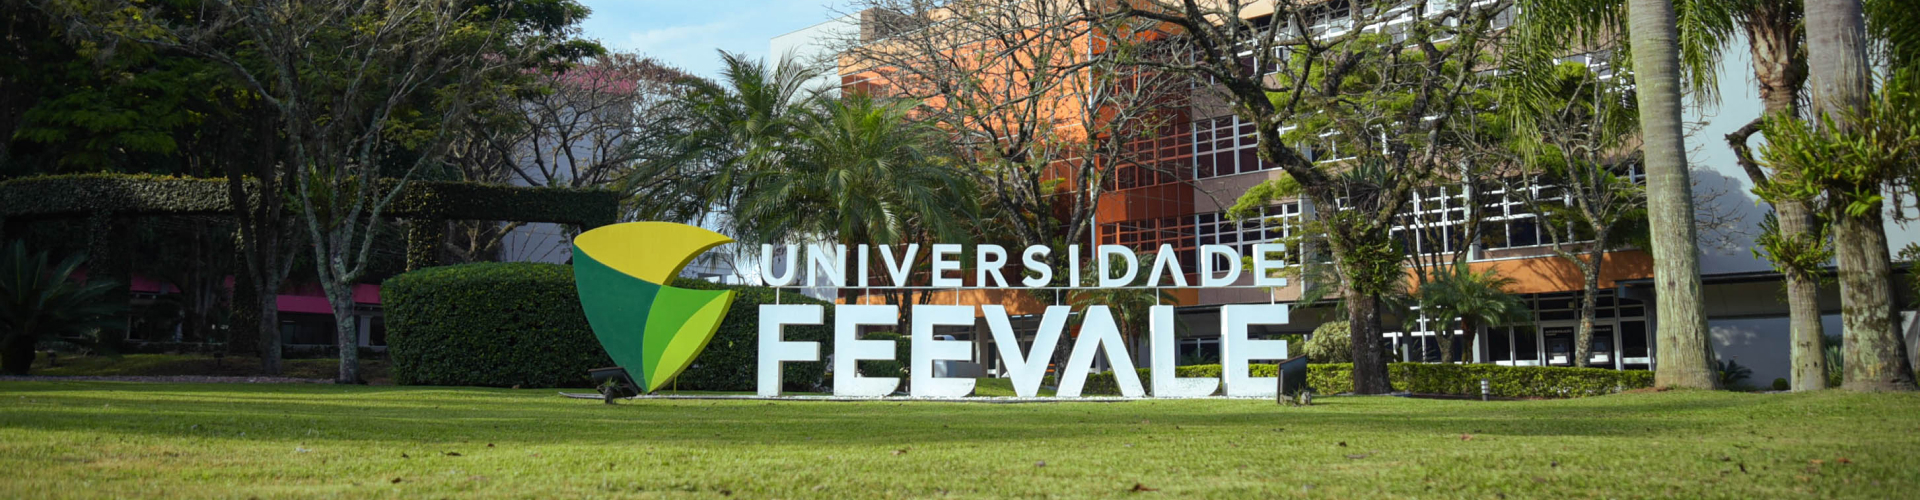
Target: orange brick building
[1204,158]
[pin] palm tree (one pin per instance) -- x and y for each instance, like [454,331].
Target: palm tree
[857,170]
[721,133]
[861,171]
[40,303]
[795,164]
[1686,359]
[1795,239]
[1842,91]
[1475,298]
[1668,52]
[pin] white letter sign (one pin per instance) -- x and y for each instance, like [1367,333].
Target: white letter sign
[848,350]
[774,351]
[926,350]
[1236,350]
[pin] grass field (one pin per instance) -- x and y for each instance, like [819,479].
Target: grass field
[101,439]
[161,365]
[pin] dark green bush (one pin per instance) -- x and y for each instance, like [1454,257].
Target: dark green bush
[1515,381]
[1317,375]
[506,324]
[896,367]
[1332,342]
[490,324]
[1504,381]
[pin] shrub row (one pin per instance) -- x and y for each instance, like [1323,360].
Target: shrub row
[1422,378]
[1329,375]
[154,194]
[507,324]
[1514,381]
[896,367]
[489,324]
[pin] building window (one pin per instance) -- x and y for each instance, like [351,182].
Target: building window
[376,333]
[1274,223]
[1226,146]
[1199,351]
[1146,235]
[1155,158]
[1435,221]
[306,329]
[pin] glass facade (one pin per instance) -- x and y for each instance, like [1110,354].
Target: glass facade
[1620,334]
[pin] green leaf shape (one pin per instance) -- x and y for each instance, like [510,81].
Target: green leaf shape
[653,331]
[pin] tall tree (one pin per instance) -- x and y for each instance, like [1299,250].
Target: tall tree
[1576,130]
[363,93]
[581,126]
[1686,357]
[1855,151]
[1031,94]
[1795,238]
[853,169]
[717,135]
[1378,91]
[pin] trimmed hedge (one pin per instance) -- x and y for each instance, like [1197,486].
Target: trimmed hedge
[489,324]
[84,194]
[1515,381]
[1422,378]
[506,324]
[896,367]
[1317,376]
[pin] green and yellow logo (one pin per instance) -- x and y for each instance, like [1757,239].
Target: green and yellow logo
[651,329]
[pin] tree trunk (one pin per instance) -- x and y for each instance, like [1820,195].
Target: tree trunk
[1467,335]
[1837,58]
[1773,41]
[1685,358]
[1369,362]
[269,315]
[257,218]
[347,334]
[1873,354]
[1589,298]
[1809,358]
[1779,66]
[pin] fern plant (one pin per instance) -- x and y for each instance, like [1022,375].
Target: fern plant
[41,303]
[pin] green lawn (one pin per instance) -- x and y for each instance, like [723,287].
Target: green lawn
[100,439]
[152,365]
